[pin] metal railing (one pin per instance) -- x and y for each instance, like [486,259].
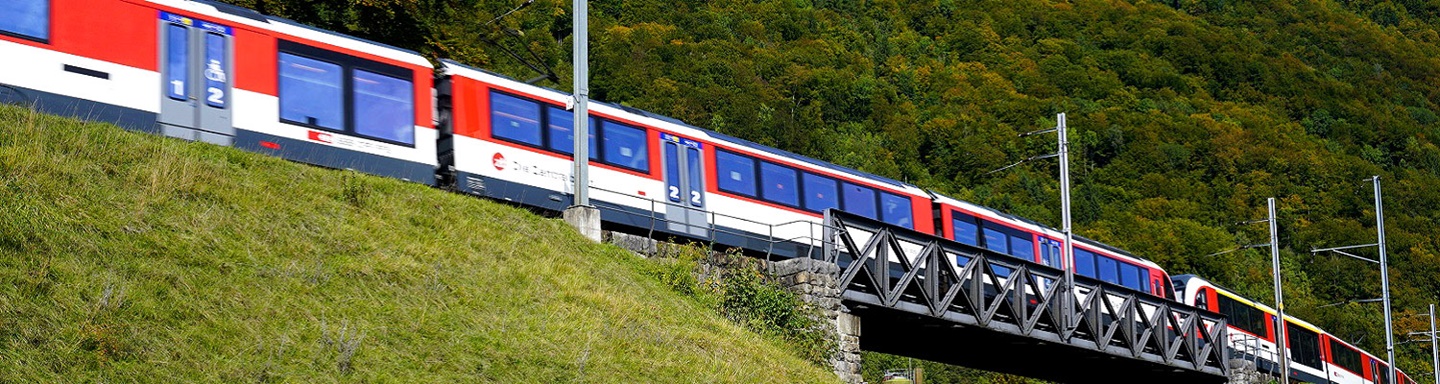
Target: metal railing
[1250,348]
[655,216]
[897,268]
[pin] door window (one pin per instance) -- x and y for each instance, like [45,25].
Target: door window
[672,172]
[692,167]
[215,70]
[177,61]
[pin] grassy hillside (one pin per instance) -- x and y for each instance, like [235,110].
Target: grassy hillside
[126,257]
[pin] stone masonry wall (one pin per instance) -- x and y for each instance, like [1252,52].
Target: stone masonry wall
[814,281]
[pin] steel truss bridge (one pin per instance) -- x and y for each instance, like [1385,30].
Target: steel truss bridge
[927,297]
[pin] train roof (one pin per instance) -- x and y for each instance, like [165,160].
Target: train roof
[713,134]
[254,19]
[1264,308]
[358,39]
[235,10]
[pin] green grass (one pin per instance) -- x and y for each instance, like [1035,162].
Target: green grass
[127,257]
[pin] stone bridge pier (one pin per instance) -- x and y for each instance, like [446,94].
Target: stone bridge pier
[814,281]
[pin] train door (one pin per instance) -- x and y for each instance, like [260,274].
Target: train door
[195,62]
[684,186]
[1050,253]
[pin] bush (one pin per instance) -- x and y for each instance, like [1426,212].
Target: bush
[737,287]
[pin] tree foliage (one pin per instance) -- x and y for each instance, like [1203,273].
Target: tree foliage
[1186,114]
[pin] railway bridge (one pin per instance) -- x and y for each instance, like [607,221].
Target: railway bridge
[917,295]
[894,290]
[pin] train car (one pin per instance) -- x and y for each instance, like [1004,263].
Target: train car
[1315,356]
[221,74]
[513,141]
[1351,365]
[987,228]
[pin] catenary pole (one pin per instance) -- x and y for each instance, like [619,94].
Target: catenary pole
[581,116]
[1434,345]
[1384,279]
[1281,342]
[1069,246]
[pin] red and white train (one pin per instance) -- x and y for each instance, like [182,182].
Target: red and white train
[225,75]
[1315,356]
[212,72]
[208,71]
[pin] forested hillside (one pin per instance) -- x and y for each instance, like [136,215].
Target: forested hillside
[1187,114]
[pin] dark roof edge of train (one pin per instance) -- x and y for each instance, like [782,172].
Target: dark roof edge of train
[718,135]
[251,14]
[235,10]
[333,33]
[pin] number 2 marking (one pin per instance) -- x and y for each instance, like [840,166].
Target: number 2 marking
[217,96]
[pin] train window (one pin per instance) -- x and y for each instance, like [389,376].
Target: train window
[1022,247]
[384,107]
[1106,269]
[778,184]
[1084,263]
[1344,356]
[310,92]
[859,200]
[514,118]
[559,126]
[1202,298]
[964,229]
[736,173]
[1243,316]
[334,91]
[820,192]
[895,209]
[177,61]
[996,240]
[1304,345]
[26,18]
[624,146]
[561,123]
[1130,276]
